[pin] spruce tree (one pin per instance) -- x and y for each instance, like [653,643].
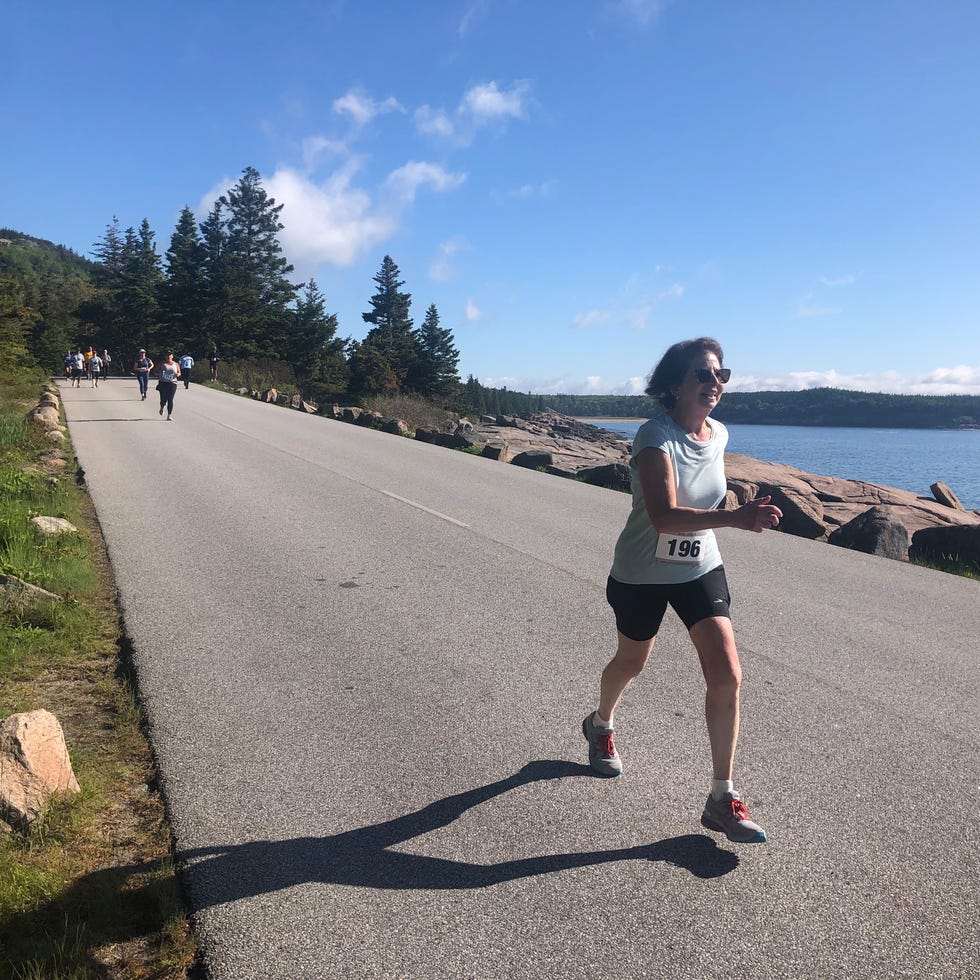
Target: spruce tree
[313,350]
[257,292]
[140,294]
[109,273]
[184,292]
[103,310]
[436,374]
[214,240]
[370,372]
[392,335]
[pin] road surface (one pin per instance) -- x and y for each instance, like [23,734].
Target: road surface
[365,663]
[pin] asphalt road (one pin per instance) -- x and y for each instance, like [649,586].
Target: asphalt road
[365,663]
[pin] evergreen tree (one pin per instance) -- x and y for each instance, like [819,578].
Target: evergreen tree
[257,293]
[110,272]
[184,292]
[103,310]
[436,373]
[214,241]
[370,372]
[392,335]
[313,349]
[139,297]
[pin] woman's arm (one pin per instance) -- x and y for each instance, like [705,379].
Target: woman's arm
[657,479]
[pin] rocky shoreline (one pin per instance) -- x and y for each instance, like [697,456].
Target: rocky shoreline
[854,514]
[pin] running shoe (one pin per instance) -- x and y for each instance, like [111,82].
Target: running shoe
[603,756]
[730,816]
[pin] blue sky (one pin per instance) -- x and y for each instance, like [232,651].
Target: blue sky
[575,185]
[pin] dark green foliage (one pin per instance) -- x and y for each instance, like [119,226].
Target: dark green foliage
[42,288]
[124,311]
[391,335]
[370,372]
[436,373]
[184,291]
[253,271]
[312,347]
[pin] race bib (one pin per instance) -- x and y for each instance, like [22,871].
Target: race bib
[686,549]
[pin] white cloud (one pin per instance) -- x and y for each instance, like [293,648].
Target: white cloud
[960,380]
[589,319]
[474,10]
[847,280]
[486,103]
[473,312]
[807,308]
[671,292]
[638,318]
[362,108]
[314,147]
[643,12]
[407,179]
[441,267]
[591,385]
[433,122]
[481,106]
[331,221]
[530,190]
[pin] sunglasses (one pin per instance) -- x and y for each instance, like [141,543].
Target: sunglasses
[707,375]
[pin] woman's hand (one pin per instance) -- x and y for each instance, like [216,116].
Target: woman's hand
[757,515]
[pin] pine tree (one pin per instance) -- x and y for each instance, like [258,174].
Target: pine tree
[110,271]
[313,349]
[184,292]
[392,335]
[214,241]
[257,292]
[370,372]
[436,373]
[139,297]
[102,310]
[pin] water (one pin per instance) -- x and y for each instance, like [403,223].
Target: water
[910,459]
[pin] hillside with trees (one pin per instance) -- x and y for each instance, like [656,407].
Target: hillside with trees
[813,407]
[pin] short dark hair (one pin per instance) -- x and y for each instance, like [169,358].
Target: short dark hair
[674,365]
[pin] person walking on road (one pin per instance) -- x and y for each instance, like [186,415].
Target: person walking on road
[667,555]
[186,364]
[77,368]
[169,373]
[142,367]
[214,365]
[106,361]
[95,369]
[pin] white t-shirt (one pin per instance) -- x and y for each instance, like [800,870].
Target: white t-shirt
[168,372]
[642,555]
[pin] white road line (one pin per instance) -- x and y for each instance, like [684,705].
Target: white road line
[394,496]
[428,510]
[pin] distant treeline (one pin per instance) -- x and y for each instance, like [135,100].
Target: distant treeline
[815,406]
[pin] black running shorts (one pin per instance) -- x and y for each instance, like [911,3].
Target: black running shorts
[640,609]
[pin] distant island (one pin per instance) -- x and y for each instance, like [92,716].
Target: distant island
[813,407]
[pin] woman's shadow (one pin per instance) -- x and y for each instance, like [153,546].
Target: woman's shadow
[364,857]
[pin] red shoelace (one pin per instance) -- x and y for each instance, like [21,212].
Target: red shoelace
[739,810]
[605,742]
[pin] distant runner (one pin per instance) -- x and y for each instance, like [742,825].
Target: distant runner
[186,364]
[142,367]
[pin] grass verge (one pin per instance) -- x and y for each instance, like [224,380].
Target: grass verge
[90,891]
